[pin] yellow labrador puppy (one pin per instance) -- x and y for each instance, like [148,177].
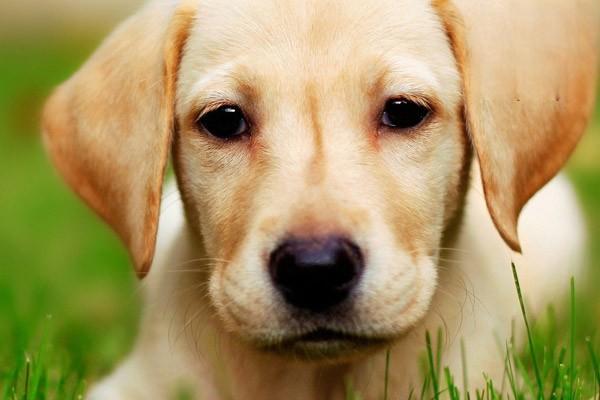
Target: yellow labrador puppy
[350,174]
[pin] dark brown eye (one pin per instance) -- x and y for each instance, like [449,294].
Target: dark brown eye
[226,122]
[403,114]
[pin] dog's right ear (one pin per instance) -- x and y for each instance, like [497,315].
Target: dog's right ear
[108,129]
[529,71]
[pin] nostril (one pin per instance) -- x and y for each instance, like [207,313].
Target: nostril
[316,273]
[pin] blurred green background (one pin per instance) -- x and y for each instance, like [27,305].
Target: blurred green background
[67,291]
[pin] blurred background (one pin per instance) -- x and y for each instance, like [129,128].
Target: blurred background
[68,296]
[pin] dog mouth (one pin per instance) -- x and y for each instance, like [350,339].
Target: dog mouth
[324,335]
[325,343]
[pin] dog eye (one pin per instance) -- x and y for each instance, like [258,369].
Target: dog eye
[226,122]
[403,114]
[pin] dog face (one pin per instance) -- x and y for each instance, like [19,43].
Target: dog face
[313,163]
[321,147]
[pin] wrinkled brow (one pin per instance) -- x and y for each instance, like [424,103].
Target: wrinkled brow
[409,78]
[229,83]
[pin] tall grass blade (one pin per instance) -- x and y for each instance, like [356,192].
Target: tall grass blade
[452,389]
[524,374]
[387,375]
[432,368]
[536,368]
[572,341]
[510,373]
[556,381]
[478,395]
[425,386]
[594,359]
[438,353]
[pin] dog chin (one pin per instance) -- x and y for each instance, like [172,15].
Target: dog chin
[325,345]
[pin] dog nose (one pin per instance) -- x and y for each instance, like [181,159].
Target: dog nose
[316,273]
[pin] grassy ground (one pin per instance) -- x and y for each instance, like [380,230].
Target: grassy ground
[67,296]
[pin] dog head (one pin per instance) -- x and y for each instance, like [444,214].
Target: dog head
[321,147]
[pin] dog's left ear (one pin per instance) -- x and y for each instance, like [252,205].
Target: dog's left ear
[529,71]
[108,129]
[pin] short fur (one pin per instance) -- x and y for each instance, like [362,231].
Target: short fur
[513,79]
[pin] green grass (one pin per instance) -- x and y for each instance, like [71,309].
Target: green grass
[526,374]
[539,372]
[67,295]
[68,303]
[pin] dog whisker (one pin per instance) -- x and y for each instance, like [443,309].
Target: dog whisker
[209,260]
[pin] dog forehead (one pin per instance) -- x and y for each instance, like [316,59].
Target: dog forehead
[302,33]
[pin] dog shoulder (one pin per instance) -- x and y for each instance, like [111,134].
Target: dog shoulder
[554,237]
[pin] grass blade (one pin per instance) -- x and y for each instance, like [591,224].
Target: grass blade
[432,367]
[561,358]
[438,353]
[424,386]
[27,375]
[453,392]
[572,342]
[387,375]
[595,365]
[510,373]
[536,369]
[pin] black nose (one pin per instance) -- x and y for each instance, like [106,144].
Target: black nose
[316,273]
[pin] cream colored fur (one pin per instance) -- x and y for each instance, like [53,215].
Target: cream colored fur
[181,346]
[434,209]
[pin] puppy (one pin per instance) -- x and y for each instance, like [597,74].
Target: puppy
[349,176]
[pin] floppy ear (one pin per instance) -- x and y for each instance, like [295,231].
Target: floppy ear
[529,69]
[108,129]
